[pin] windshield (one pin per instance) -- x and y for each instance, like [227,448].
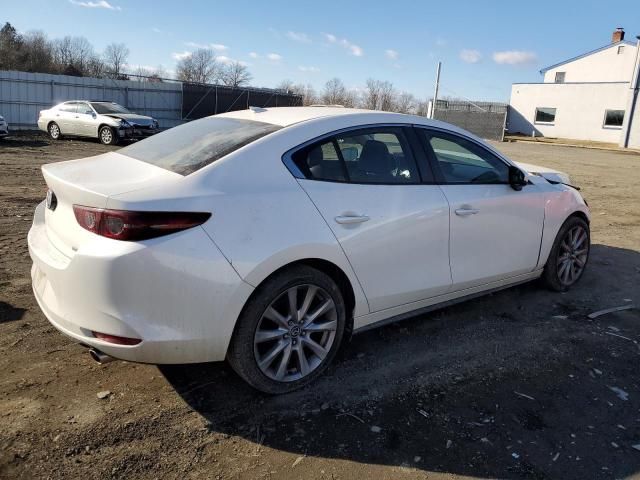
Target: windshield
[107,108]
[194,145]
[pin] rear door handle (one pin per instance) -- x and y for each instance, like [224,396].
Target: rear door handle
[464,212]
[351,219]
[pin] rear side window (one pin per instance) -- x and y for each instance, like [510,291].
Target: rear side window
[194,145]
[375,155]
[68,107]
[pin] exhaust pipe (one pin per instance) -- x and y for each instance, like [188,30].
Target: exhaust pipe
[99,356]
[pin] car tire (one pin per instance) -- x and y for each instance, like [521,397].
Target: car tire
[569,255]
[108,136]
[54,131]
[304,348]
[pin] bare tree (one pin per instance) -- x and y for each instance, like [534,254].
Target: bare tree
[199,67]
[236,74]
[286,86]
[307,92]
[371,98]
[387,96]
[37,53]
[405,103]
[10,47]
[75,56]
[115,57]
[335,93]
[422,108]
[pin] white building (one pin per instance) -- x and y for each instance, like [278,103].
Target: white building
[593,96]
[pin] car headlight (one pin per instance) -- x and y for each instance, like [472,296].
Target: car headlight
[124,123]
[1,118]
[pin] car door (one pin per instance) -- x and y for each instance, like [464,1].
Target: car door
[495,231]
[64,116]
[87,122]
[390,218]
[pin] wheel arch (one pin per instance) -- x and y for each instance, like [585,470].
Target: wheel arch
[329,268]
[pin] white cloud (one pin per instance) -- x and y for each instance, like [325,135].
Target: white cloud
[515,57]
[181,55]
[254,55]
[330,38]
[391,54]
[274,57]
[441,42]
[98,4]
[156,30]
[311,69]
[298,37]
[353,49]
[218,47]
[227,60]
[470,56]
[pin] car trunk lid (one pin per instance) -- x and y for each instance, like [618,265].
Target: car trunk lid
[90,182]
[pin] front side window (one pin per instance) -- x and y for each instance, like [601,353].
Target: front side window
[84,108]
[463,162]
[194,145]
[545,115]
[613,118]
[560,77]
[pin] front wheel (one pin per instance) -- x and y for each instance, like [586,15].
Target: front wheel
[108,136]
[569,255]
[289,331]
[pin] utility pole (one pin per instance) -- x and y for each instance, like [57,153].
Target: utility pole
[435,93]
[633,100]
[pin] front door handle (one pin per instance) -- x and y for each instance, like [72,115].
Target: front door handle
[351,219]
[464,212]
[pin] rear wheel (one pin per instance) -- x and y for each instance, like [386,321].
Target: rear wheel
[289,331]
[108,136]
[54,131]
[569,255]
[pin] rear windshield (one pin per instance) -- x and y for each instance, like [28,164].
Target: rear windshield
[189,147]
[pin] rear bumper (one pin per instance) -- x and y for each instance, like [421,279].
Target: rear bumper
[176,293]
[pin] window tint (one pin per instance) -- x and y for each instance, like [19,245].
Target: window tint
[613,118]
[194,145]
[108,108]
[545,115]
[462,161]
[378,156]
[68,107]
[320,162]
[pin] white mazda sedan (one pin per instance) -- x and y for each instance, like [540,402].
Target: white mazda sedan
[268,236]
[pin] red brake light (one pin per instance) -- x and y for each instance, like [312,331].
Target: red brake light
[105,337]
[127,225]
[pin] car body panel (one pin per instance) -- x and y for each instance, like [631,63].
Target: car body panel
[4,127]
[183,293]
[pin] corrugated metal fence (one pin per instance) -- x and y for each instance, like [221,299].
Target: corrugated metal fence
[23,95]
[484,119]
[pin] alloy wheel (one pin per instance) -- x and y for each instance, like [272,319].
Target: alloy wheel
[106,136]
[295,333]
[54,131]
[573,254]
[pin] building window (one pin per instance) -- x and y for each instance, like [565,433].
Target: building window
[613,118]
[545,115]
[620,49]
[560,77]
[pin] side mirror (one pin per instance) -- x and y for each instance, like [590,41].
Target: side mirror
[517,178]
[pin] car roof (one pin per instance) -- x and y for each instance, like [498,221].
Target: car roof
[286,116]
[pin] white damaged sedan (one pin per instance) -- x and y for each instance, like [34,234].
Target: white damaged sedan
[268,236]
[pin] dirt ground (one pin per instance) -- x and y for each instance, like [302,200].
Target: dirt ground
[518,384]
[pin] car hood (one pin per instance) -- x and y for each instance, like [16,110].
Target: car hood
[133,118]
[550,174]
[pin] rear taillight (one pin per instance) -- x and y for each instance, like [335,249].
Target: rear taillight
[127,225]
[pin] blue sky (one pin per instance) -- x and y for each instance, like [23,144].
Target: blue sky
[484,46]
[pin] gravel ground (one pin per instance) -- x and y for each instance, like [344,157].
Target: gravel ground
[518,384]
